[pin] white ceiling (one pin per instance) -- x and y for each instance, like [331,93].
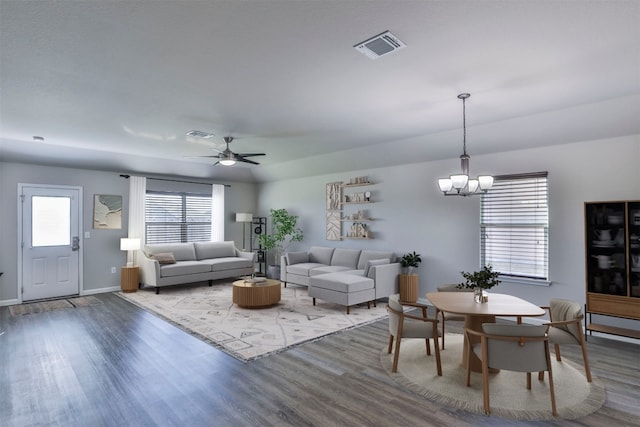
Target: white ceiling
[116,85]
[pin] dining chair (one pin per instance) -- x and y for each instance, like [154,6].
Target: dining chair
[565,327]
[444,315]
[404,325]
[520,348]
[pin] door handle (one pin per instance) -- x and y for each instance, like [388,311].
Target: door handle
[76,243]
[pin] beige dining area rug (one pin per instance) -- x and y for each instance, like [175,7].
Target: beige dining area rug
[207,312]
[509,397]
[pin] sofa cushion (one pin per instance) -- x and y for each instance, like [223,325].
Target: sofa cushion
[345,257]
[297,257]
[371,272]
[328,269]
[303,268]
[164,258]
[184,268]
[181,251]
[368,255]
[208,250]
[320,255]
[341,282]
[229,263]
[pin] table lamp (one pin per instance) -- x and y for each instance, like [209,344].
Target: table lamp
[130,245]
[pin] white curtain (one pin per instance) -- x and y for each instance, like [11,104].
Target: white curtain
[137,194]
[217,212]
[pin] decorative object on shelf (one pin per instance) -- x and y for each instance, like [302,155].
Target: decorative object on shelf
[408,282]
[334,200]
[460,184]
[359,180]
[244,218]
[131,245]
[480,281]
[258,226]
[284,232]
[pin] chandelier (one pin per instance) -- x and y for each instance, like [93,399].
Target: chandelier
[460,184]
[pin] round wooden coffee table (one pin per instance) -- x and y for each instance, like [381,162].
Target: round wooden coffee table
[256,295]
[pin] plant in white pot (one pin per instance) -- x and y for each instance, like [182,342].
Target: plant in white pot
[283,233]
[408,282]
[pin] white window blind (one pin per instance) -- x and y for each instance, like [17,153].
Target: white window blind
[172,217]
[515,226]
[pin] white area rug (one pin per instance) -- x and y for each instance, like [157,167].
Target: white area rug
[509,396]
[208,313]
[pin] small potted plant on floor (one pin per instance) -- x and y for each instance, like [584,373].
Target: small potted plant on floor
[284,232]
[480,281]
[408,281]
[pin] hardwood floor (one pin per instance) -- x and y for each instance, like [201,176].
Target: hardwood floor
[116,365]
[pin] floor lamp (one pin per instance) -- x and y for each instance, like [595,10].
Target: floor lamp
[244,218]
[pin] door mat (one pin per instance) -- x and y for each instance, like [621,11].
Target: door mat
[53,305]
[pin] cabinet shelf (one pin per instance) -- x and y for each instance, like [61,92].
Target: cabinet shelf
[357,185]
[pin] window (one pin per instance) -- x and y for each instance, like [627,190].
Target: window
[514,229]
[173,217]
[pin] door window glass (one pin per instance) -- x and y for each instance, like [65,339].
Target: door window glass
[50,221]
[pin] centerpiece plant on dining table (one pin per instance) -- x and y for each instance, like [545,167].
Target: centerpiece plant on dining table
[480,281]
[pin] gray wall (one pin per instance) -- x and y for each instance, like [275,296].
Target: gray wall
[102,250]
[411,213]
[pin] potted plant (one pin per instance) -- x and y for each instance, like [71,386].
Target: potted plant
[408,282]
[480,281]
[284,232]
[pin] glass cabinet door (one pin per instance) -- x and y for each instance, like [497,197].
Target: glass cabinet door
[606,246]
[633,227]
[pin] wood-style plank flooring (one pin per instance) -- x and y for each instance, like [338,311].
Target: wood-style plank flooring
[116,365]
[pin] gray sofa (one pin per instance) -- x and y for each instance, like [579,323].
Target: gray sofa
[342,276]
[165,264]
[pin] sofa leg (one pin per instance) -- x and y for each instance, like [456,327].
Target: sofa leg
[157,290]
[368,305]
[347,309]
[374,303]
[314,301]
[210,282]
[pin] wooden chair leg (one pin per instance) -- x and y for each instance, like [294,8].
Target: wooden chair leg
[557,350]
[541,376]
[551,389]
[390,344]
[437,349]
[442,315]
[396,354]
[426,343]
[528,380]
[585,359]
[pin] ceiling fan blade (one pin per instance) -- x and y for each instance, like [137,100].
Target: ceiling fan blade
[250,154]
[242,159]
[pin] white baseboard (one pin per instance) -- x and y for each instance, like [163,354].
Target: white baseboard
[82,293]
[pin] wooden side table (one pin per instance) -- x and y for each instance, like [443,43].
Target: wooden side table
[129,279]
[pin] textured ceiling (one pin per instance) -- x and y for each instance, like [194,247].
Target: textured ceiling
[116,85]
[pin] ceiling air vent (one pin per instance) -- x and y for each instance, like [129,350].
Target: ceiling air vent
[380,45]
[200,134]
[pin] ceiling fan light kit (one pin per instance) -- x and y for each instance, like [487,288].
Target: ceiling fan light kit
[226,156]
[460,184]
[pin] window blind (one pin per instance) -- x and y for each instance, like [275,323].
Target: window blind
[172,217]
[515,226]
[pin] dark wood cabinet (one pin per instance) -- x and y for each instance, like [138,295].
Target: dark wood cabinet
[612,241]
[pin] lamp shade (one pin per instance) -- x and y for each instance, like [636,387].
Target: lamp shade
[244,217]
[129,244]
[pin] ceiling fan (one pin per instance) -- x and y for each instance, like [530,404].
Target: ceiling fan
[229,158]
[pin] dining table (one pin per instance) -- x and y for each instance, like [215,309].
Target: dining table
[477,313]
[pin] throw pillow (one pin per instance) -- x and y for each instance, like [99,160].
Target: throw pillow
[164,258]
[370,272]
[297,257]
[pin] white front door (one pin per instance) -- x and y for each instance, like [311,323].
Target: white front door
[50,244]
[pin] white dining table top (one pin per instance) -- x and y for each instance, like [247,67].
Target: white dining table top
[497,305]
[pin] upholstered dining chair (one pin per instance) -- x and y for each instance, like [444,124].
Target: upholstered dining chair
[520,348]
[449,316]
[565,327]
[404,325]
